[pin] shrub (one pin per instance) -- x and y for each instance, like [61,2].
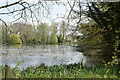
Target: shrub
[54,39]
[15,38]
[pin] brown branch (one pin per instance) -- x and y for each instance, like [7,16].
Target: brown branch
[18,9]
[70,11]
[8,5]
[13,11]
[3,22]
[5,25]
[25,7]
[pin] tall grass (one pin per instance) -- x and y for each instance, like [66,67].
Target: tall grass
[67,71]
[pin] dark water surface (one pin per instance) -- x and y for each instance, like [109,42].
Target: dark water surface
[47,54]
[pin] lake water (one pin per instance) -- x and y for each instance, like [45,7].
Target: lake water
[47,54]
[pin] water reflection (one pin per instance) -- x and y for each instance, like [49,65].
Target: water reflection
[36,55]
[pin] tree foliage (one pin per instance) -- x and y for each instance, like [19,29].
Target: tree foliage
[92,40]
[54,39]
[15,39]
[43,33]
[110,24]
[26,31]
[54,31]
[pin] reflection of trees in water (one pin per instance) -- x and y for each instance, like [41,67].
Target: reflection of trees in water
[58,61]
[6,67]
[51,55]
[96,58]
[5,54]
[7,73]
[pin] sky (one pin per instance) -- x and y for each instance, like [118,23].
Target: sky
[56,11]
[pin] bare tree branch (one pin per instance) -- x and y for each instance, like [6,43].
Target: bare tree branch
[8,5]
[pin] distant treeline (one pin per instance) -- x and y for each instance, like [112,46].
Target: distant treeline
[20,33]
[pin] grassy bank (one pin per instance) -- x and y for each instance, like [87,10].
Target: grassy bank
[66,71]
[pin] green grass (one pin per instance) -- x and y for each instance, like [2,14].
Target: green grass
[67,71]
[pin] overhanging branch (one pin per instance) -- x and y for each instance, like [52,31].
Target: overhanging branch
[10,4]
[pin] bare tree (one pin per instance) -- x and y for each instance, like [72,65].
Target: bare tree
[23,9]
